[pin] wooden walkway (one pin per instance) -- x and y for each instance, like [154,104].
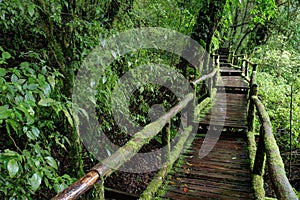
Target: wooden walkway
[224,173]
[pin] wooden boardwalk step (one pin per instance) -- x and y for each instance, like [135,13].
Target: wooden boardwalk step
[225,70]
[222,174]
[229,110]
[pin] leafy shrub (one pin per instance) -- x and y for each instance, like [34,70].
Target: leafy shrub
[29,116]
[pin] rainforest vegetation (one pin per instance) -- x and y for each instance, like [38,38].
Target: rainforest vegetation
[43,44]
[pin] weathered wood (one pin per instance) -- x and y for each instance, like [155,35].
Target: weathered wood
[259,163]
[244,73]
[251,63]
[229,110]
[205,77]
[251,109]
[230,71]
[79,187]
[166,142]
[243,65]
[123,154]
[246,69]
[281,184]
[222,174]
[158,179]
[126,152]
[257,180]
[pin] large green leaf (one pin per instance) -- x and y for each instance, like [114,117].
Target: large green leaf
[35,131]
[51,162]
[31,9]
[30,135]
[35,181]
[6,55]
[14,78]
[2,72]
[69,117]
[46,102]
[12,167]
[5,112]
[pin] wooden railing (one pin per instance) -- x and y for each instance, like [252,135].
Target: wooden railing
[266,151]
[101,171]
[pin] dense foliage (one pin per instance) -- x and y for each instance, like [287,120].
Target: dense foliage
[43,44]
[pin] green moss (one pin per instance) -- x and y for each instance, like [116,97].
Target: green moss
[270,198]
[251,148]
[157,185]
[258,186]
[98,191]
[159,178]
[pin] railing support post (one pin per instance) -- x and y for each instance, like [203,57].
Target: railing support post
[246,69]
[166,142]
[251,109]
[243,65]
[259,162]
[215,78]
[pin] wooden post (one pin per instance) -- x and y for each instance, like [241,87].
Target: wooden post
[240,60]
[79,187]
[209,81]
[254,68]
[281,184]
[253,76]
[251,109]
[243,65]
[246,69]
[259,162]
[166,142]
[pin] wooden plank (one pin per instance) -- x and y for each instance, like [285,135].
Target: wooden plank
[224,172]
[218,184]
[191,188]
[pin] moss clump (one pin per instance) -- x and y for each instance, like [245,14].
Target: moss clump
[258,186]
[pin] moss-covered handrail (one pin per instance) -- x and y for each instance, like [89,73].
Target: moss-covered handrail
[122,155]
[281,184]
[183,142]
[205,77]
[126,152]
[266,151]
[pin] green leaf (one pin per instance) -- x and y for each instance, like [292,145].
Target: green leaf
[2,72]
[35,131]
[12,167]
[51,80]
[6,55]
[35,181]
[9,153]
[30,135]
[60,187]
[32,86]
[51,162]
[13,124]
[46,102]
[5,112]
[14,78]
[31,9]
[69,117]
[24,64]
[46,89]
